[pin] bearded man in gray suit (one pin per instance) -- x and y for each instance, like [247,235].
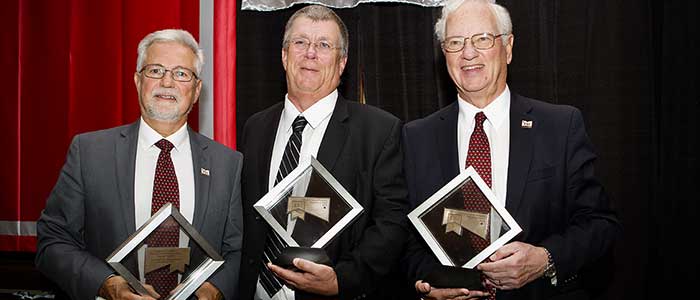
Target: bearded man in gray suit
[106,187]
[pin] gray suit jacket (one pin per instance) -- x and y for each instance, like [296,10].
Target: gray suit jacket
[90,211]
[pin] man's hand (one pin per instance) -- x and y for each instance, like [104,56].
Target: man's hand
[116,287]
[312,277]
[514,265]
[208,291]
[427,292]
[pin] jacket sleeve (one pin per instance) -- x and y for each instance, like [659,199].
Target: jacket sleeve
[226,279]
[61,251]
[379,250]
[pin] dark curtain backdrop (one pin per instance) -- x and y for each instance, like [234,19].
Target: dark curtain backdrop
[628,65]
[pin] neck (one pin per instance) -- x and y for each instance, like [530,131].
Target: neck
[303,101]
[164,128]
[483,98]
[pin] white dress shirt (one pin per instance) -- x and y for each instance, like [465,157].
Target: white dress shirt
[146,159]
[497,130]
[317,116]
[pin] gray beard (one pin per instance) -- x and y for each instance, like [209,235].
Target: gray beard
[165,114]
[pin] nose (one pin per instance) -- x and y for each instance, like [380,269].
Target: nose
[311,51]
[469,52]
[167,79]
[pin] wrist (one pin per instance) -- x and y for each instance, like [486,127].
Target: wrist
[550,270]
[103,292]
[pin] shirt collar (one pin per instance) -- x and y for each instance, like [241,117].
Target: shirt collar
[496,112]
[149,136]
[315,114]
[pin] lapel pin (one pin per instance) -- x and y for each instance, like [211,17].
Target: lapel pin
[204,171]
[526,124]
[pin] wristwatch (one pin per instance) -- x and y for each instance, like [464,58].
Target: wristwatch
[550,271]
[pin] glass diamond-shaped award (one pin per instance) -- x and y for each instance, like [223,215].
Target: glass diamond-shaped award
[308,209]
[460,234]
[165,259]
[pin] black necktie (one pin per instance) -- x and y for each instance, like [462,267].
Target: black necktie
[274,244]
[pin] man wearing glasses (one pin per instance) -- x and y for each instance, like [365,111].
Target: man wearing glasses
[114,179]
[535,156]
[358,144]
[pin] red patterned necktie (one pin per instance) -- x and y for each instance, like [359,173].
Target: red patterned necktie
[479,157]
[165,190]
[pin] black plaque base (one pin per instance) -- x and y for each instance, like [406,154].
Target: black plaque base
[316,255]
[454,277]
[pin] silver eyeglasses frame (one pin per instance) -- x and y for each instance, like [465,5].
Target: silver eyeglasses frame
[172,71]
[489,37]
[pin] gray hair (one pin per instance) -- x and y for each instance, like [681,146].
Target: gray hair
[319,13]
[170,35]
[503,22]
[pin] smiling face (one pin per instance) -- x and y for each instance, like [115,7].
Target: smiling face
[167,100]
[479,75]
[312,75]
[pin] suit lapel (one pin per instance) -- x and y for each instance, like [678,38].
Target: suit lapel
[200,161]
[125,150]
[269,132]
[447,142]
[335,136]
[520,152]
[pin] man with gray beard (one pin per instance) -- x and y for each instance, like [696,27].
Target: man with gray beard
[113,180]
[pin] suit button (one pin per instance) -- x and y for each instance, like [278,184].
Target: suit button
[251,261]
[257,217]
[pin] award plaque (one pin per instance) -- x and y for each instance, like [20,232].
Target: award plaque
[462,236]
[171,259]
[307,209]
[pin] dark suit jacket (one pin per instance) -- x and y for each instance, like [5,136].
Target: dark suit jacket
[552,192]
[90,211]
[361,148]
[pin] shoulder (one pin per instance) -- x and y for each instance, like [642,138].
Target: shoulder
[219,150]
[266,114]
[546,111]
[105,137]
[369,114]
[430,121]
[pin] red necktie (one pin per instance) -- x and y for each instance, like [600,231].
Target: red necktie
[479,157]
[165,190]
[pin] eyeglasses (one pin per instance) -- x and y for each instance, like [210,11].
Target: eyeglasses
[481,41]
[302,44]
[157,71]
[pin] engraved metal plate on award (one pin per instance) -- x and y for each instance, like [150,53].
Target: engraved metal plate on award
[308,209]
[174,258]
[459,236]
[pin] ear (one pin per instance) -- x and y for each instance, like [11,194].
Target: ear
[341,64]
[197,90]
[509,48]
[284,58]
[137,82]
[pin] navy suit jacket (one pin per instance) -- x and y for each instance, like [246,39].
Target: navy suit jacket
[90,211]
[551,191]
[361,148]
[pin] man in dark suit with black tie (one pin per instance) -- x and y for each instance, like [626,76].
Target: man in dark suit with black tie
[114,179]
[539,164]
[358,144]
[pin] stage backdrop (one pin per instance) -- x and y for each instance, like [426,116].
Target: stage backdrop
[68,68]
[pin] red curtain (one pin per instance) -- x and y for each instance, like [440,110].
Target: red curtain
[74,61]
[225,72]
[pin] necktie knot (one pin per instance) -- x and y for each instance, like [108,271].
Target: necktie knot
[480,117]
[165,145]
[299,124]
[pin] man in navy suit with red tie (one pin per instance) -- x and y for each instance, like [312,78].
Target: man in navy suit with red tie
[541,166]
